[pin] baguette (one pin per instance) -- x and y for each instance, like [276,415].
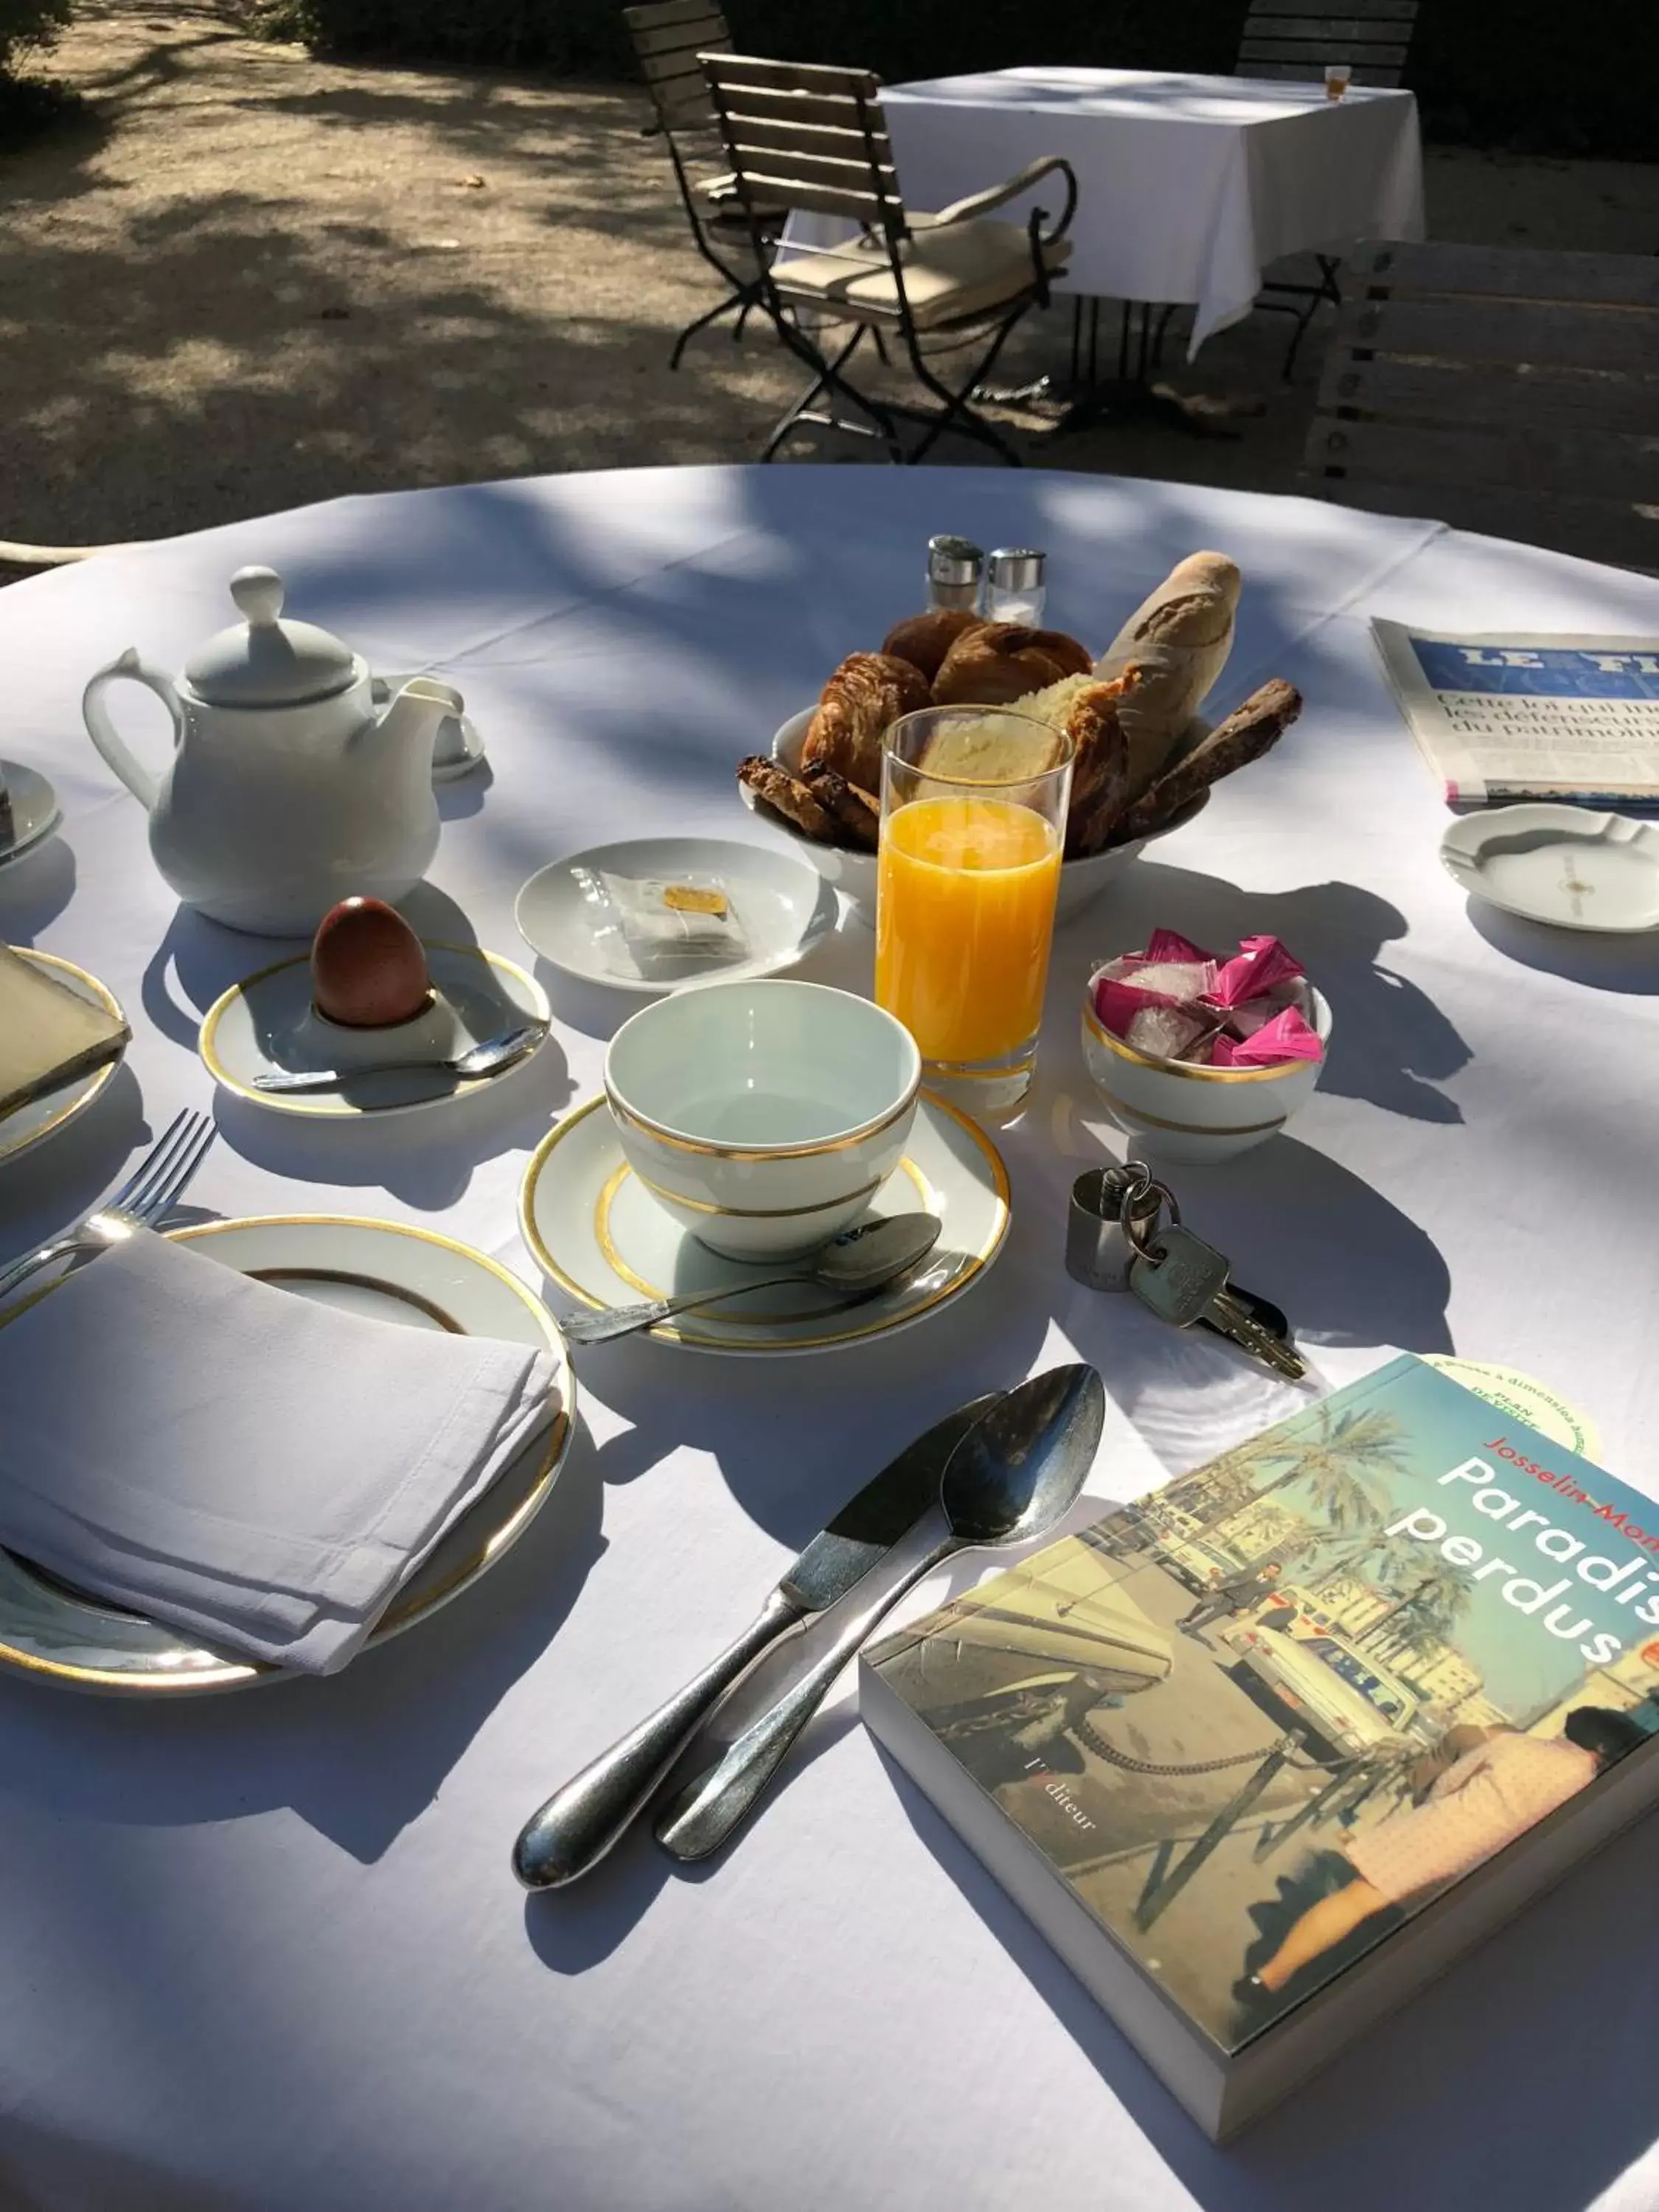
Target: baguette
[1179,638]
[788,795]
[854,811]
[1248,732]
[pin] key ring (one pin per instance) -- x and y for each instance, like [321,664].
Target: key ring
[1137,1227]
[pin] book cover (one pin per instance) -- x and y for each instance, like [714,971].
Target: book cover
[1260,1720]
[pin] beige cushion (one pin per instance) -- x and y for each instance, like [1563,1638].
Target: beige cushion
[959,270]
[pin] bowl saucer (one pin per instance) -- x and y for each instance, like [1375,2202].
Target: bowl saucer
[600,1237]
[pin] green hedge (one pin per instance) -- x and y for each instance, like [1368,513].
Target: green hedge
[1531,74]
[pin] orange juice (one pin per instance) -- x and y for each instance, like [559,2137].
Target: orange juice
[965,912]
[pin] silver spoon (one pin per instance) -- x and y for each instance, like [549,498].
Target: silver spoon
[860,1262]
[1011,1477]
[486,1059]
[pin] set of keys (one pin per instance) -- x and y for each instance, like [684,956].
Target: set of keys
[1118,1239]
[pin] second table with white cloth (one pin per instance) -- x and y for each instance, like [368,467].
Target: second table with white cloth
[1187,187]
[265,1950]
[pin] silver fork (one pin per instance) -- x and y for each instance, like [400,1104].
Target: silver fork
[148,1194]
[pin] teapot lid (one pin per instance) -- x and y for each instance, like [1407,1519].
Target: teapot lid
[265,661]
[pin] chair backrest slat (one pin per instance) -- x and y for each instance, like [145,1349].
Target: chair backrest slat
[680,40]
[656,15]
[1515,391]
[1296,38]
[810,137]
[667,36]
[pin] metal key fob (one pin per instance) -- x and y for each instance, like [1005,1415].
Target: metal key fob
[1098,1247]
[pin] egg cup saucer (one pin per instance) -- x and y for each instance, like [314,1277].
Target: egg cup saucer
[267,1025]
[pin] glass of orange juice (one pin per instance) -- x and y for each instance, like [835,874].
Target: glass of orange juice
[973,825]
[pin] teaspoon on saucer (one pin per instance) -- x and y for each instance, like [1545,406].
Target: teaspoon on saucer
[858,1263]
[486,1058]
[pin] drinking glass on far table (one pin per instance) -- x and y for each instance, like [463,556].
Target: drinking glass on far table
[1338,77]
[973,821]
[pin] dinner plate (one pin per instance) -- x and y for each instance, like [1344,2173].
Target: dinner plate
[784,909]
[391,1271]
[601,1236]
[35,813]
[41,1117]
[266,1024]
[1081,881]
[1559,865]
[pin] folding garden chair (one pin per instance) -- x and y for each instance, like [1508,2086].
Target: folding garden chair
[1293,40]
[667,37]
[814,140]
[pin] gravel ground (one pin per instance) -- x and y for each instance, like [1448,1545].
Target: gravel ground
[250,279]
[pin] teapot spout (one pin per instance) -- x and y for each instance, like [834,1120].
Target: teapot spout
[411,721]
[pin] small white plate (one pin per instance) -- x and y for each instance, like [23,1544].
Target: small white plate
[599,1234]
[1559,865]
[27,1125]
[785,908]
[35,813]
[457,748]
[391,1271]
[1081,881]
[266,1025]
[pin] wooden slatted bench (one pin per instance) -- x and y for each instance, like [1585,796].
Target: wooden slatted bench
[1506,390]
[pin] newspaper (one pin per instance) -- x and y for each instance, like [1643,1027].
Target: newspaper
[1511,717]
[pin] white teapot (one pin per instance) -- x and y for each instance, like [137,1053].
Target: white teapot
[287,791]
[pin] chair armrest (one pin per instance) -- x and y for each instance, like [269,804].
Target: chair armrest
[970,210]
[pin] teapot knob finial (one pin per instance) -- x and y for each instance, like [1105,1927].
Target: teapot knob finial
[258,596]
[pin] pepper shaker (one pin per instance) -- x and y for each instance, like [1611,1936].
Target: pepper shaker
[1015,591]
[956,568]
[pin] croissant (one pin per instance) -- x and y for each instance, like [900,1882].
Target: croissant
[999,662]
[924,640]
[866,693]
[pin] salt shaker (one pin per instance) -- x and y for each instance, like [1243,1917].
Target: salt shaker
[1016,591]
[955,569]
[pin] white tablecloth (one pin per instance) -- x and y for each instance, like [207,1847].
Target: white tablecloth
[1187,187]
[265,1952]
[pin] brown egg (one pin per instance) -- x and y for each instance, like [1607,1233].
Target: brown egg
[368,968]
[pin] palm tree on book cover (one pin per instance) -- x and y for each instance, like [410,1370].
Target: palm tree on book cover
[1337,1456]
[1424,1616]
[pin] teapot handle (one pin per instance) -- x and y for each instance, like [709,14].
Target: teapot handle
[139,782]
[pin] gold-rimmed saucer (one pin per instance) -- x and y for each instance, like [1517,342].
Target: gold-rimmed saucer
[39,1118]
[598,1234]
[394,1271]
[266,1025]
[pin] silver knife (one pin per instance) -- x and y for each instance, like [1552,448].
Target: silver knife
[580,1823]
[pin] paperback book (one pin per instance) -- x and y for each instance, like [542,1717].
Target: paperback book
[1263,1752]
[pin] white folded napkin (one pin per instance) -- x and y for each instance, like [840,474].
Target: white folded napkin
[259,1469]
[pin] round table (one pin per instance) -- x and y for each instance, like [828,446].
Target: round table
[266,1951]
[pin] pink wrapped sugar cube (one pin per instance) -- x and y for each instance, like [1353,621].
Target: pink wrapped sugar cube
[1245,1021]
[1261,965]
[1284,1038]
[1164,1031]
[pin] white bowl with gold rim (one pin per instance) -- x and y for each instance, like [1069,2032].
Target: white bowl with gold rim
[763,1115]
[1197,1112]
